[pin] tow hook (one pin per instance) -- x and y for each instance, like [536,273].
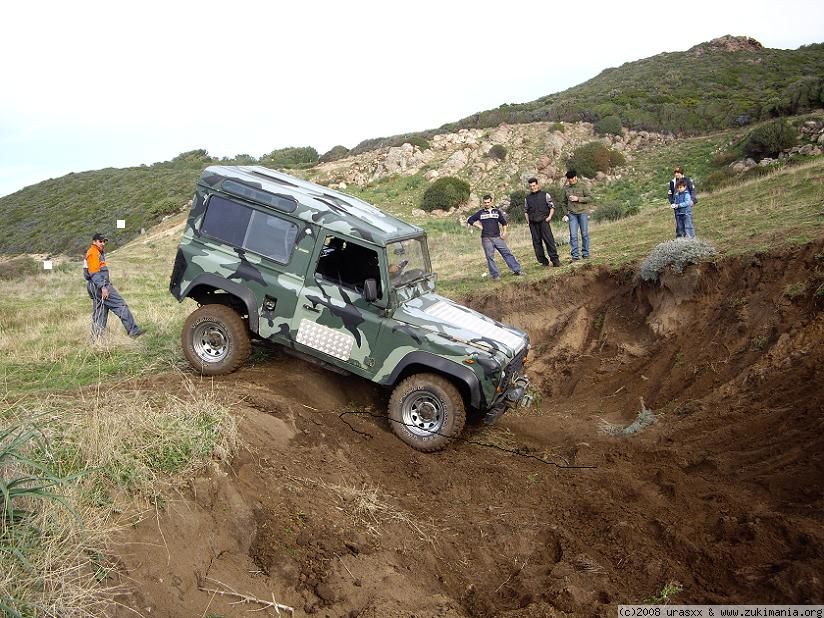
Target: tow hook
[514,395]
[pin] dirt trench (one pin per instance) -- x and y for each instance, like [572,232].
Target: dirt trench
[560,509]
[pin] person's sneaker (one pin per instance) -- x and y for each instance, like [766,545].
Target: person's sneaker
[518,273]
[544,265]
[135,333]
[556,264]
[496,278]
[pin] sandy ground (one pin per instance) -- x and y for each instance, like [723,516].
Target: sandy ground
[548,513]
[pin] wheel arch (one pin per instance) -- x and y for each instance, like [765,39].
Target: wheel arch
[209,288]
[463,378]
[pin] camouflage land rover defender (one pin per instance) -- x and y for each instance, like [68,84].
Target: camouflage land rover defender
[337,281]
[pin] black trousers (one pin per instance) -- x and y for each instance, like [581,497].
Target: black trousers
[542,235]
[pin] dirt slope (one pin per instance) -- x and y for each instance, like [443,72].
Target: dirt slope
[328,512]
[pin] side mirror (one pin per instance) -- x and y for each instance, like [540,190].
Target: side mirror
[370,290]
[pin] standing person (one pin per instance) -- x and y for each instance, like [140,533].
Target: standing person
[576,212]
[672,192]
[683,211]
[492,223]
[103,294]
[539,209]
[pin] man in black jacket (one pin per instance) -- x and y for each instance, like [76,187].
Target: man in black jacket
[539,210]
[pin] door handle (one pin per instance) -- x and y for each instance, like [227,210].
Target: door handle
[311,308]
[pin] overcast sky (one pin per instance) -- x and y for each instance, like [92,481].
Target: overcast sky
[87,85]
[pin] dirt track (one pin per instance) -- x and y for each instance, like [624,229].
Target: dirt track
[722,494]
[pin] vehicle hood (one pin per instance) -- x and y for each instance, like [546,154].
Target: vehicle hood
[454,321]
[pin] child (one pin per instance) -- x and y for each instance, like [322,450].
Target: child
[683,211]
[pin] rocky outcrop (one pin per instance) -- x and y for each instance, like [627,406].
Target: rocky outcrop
[537,149]
[726,43]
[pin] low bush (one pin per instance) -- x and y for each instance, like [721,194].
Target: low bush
[498,152]
[675,254]
[718,179]
[594,157]
[166,206]
[769,139]
[609,125]
[609,212]
[336,153]
[515,213]
[20,267]
[445,193]
[419,141]
[291,157]
[725,157]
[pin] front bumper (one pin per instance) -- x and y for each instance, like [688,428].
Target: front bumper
[511,397]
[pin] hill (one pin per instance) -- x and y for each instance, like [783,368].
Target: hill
[713,85]
[726,82]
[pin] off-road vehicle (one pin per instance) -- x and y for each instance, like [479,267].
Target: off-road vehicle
[337,281]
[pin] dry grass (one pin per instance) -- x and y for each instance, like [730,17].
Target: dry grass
[121,453]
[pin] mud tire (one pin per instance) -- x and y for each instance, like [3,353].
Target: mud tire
[427,412]
[215,340]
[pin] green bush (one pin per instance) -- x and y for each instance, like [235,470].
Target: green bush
[769,139]
[291,157]
[718,179]
[498,152]
[166,206]
[611,211]
[610,125]
[19,267]
[445,193]
[515,213]
[194,156]
[557,126]
[616,159]
[590,159]
[725,157]
[336,153]
[420,142]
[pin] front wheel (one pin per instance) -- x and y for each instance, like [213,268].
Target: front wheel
[427,412]
[215,340]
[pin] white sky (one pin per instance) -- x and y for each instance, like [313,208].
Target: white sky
[87,84]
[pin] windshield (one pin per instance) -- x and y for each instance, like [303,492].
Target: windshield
[408,261]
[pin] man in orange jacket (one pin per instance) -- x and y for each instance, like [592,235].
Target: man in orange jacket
[103,294]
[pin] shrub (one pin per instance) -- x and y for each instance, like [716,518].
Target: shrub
[609,125]
[498,152]
[19,267]
[291,157]
[336,153]
[515,213]
[589,159]
[675,253]
[194,156]
[725,157]
[445,193]
[769,139]
[166,206]
[616,159]
[419,141]
[609,212]
[557,126]
[718,179]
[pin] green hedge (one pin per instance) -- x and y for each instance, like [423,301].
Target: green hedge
[445,193]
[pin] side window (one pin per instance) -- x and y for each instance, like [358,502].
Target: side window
[271,236]
[250,229]
[348,264]
[226,220]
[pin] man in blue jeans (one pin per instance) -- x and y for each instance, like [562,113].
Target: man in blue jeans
[492,223]
[576,211]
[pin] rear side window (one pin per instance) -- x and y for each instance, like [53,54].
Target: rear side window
[250,229]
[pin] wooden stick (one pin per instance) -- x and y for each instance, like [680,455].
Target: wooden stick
[245,598]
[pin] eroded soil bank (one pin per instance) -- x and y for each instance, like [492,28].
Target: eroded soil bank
[722,494]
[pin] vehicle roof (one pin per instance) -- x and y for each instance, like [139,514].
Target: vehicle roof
[331,209]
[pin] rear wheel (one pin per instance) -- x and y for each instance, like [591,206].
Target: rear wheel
[215,340]
[427,412]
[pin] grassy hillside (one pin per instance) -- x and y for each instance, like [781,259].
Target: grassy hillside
[78,419]
[704,89]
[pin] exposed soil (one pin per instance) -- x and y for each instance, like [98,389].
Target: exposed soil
[724,493]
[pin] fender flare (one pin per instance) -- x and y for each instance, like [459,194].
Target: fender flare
[462,374]
[235,289]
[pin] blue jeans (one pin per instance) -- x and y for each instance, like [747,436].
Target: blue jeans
[683,223]
[490,244]
[575,222]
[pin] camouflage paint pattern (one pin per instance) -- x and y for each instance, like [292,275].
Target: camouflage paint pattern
[378,334]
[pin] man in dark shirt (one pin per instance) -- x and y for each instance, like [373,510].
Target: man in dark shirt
[539,210]
[492,223]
